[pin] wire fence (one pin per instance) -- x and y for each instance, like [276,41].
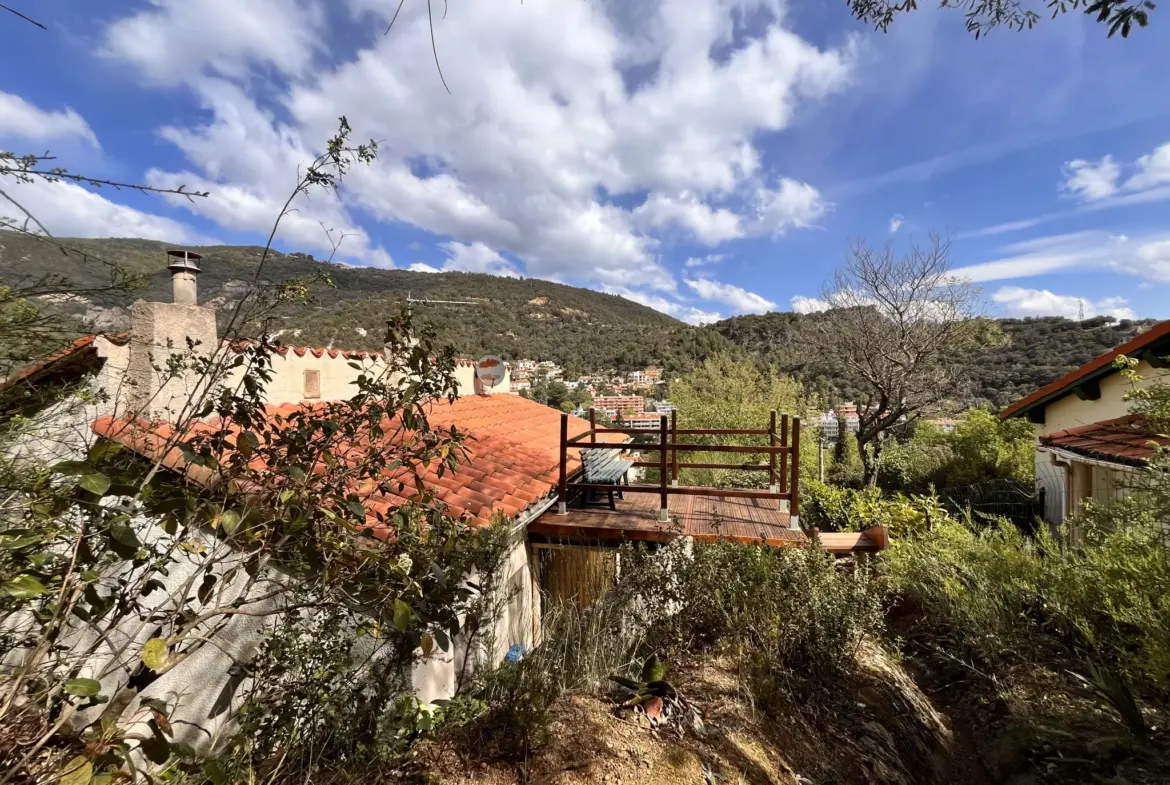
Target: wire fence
[1023,505]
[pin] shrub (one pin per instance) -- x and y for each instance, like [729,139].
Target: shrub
[792,607]
[998,595]
[832,508]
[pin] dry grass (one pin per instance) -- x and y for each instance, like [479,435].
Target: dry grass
[882,729]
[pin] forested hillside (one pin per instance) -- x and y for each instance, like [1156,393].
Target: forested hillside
[1038,350]
[579,328]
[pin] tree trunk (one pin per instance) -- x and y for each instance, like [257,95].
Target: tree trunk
[870,456]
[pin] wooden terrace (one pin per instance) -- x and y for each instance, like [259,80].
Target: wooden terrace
[663,510]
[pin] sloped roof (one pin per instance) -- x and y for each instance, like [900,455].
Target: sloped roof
[1126,440]
[83,347]
[513,460]
[1102,365]
[76,352]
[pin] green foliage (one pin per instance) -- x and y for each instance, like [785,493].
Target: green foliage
[788,608]
[1038,351]
[85,560]
[981,447]
[515,318]
[833,508]
[1000,596]
[729,390]
[845,467]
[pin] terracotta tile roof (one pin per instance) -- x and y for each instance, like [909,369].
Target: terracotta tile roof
[1098,366]
[77,350]
[513,461]
[1126,440]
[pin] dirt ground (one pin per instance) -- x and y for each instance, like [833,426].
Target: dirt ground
[883,729]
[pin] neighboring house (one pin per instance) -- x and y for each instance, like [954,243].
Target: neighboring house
[1088,445]
[524,461]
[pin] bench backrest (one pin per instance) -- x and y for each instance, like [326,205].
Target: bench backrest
[597,461]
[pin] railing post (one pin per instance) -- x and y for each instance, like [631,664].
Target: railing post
[664,509]
[674,453]
[592,425]
[784,443]
[794,498]
[562,498]
[772,485]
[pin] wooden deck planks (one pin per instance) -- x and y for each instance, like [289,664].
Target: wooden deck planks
[706,518]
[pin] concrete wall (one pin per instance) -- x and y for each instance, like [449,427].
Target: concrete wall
[158,333]
[1071,412]
[337,376]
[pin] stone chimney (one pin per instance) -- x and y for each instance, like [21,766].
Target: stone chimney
[166,342]
[184,269]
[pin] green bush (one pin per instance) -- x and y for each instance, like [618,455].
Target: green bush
[981,447]
[831,508]
[789,606]
[997,595]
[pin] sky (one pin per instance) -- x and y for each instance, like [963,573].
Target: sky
[704,157]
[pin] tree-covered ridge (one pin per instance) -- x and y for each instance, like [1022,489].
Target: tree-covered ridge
[1039,350]
[581,329]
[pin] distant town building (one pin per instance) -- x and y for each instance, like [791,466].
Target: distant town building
[620,403]
[945,423]
[647,421]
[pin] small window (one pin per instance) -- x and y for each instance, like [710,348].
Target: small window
[312,384]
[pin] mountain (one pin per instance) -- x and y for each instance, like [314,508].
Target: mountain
[579,328]
[1039,350]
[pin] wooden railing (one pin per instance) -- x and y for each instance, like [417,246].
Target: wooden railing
[783,451]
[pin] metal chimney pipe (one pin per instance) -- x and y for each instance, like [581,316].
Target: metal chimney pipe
[184,268]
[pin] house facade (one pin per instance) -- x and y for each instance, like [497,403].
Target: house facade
[1088,445]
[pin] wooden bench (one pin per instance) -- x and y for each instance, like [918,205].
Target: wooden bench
[604,467]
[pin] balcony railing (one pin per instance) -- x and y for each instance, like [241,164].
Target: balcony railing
[783,451]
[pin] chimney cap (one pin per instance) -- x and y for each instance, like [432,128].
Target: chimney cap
[183,260]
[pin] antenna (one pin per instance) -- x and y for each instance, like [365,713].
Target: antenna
[411,301]
[1081,303]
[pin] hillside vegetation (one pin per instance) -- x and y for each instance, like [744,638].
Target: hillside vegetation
[581,329]
[1037,351]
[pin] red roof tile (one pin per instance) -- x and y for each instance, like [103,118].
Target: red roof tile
[1126,440]
[1095,366]
[513,453]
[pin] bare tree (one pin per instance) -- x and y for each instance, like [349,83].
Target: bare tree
[899,327]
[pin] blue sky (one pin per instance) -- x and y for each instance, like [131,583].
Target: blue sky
[705,157]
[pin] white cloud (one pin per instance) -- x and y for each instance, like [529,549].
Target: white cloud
[1152,170]
[802,304]
[1017,301]
[477,258]
[68,210]
[1147,257]
[1100,181]
[1090,180]
[420,267]
[539,140]
[19,118]
[1040,255]
[703,261]
[791,205]
[896,223]
[1150,260]
[740,300]
[709,225]
[172,40]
